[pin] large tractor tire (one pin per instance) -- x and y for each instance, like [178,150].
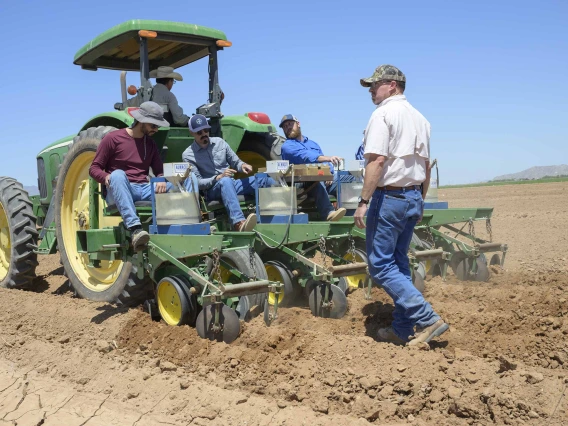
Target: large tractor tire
[18,236]
[112,281]
[258,148]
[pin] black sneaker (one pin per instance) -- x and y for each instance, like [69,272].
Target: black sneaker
[139,239]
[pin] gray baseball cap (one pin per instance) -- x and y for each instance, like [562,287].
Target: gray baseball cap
[150,112]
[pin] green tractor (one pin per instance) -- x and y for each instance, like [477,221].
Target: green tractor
[188,265]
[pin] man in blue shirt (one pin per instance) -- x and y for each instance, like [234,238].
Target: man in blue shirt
[214,164]
[360,154]
[300,150]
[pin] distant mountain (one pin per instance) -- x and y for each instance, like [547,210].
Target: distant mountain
[32,190]
[537,173]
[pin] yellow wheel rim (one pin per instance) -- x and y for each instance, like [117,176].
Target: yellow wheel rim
[75,216]
[169,303]
[274,275]
[5,244]
[353,280]
[427,265]
[226,276]
[254,159]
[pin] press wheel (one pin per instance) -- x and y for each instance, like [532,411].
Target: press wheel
[277,271]
[418,281]
[421,269]
[455,260]
[464,267]
[243,308]
[343,284]
[338,302]
[176,304]
[229,324]
[495,260]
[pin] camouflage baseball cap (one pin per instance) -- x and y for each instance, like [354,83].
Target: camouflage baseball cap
[384,72]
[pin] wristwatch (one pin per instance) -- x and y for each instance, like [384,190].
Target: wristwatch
[362,200]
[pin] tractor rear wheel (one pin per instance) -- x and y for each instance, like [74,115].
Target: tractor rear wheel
[18,236]
[111,281]
[258,148]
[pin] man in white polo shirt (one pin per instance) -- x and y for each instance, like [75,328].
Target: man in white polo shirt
[397,174]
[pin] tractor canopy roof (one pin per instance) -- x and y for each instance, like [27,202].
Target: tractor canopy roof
[171,44]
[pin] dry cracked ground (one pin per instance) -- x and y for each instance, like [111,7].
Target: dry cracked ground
[66,361]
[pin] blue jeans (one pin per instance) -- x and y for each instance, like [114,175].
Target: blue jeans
[391,219]
[319,194]
[124,194]
[228,189]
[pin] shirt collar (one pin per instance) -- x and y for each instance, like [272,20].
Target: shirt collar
[391,99]
[200,148]
[304,139]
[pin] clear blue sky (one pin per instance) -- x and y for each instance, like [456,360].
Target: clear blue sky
[491,76]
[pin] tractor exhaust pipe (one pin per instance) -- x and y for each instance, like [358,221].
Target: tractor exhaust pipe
[123,86]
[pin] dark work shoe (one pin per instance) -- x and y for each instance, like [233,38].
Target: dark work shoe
[428,333]
[140,239]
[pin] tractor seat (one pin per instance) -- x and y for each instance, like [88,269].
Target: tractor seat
[216,204]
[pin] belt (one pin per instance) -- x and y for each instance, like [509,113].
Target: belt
[400,188]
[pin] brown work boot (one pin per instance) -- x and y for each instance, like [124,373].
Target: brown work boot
[246,225]
[428,333]
[140,239]
[336,215]
[387,334]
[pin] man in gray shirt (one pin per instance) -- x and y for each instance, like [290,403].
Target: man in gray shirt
[162,95]
[214,164]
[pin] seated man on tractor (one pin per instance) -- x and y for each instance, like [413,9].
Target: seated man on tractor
[298,149]
[214,164]
[162,95]
[122,163]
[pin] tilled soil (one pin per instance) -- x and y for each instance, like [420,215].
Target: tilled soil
[67,361]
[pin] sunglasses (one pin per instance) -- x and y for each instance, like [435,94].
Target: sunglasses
[377,84]
[201,132]
[154,126]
